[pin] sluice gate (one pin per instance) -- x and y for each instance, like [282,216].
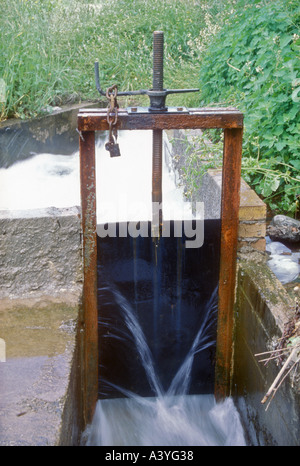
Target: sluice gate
[157,118]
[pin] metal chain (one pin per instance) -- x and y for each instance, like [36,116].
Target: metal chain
[112,112]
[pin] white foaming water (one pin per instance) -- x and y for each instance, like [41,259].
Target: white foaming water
[190,420]
[44,180]
[172,418]
[124,184]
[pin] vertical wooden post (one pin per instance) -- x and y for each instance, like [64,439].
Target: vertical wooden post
[90,311]
[229,232]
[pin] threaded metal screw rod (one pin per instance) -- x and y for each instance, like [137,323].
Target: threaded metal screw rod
[157,165]
[158,53]
[158,60]
[157,94]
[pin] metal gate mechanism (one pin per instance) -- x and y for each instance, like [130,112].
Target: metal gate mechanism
[157,97]
[158,117]
[157,94]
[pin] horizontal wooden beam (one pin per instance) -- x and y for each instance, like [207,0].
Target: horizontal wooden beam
[227,118]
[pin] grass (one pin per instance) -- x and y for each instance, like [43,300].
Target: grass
[48,48]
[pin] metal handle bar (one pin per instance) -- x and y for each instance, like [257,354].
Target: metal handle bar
[149,92]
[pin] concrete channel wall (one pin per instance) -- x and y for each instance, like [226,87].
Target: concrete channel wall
[40,305]
[40,318]
[40,252]
[262,309]
[40,299]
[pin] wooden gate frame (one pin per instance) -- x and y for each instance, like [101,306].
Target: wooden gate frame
[231,121]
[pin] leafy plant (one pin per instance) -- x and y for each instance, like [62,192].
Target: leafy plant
[253,64]
[201,153]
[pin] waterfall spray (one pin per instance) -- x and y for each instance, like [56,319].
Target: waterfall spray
[172,417]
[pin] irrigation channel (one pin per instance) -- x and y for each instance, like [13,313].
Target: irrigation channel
[157,298]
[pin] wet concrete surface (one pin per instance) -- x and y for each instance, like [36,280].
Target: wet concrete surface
[35,371]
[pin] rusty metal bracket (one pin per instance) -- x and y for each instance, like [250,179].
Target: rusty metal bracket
[146,110]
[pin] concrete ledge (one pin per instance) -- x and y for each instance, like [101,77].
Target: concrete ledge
[262,309]
[40,253]
[252,212]
[39,378]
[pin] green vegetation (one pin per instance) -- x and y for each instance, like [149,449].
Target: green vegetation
[243,54]
[254,65]
[48,48]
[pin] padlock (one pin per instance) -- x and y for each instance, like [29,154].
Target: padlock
[113,149]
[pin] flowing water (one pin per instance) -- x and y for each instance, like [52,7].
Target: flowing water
[157,330]
[173,417]
[123,183]
[158,302]
[193,420]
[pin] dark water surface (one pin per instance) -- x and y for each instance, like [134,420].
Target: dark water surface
[167,286]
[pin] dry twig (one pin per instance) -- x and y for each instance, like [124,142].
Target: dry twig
[291,335]
[280,376]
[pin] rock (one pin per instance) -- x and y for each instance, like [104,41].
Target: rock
[51,109]
[284,228]
[285,269]
[283,262]
[277,248]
